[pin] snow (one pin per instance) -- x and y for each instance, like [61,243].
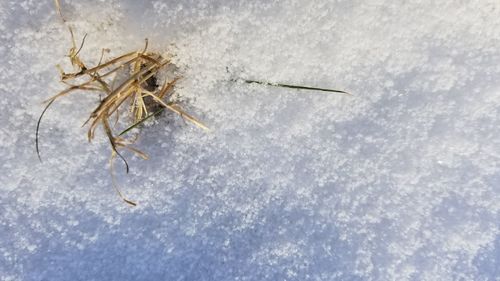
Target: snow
[399,182]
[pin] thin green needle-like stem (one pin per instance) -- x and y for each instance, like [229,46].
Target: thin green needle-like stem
[141,121]
[298,87]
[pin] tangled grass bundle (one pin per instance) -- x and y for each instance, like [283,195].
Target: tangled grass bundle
[131,81]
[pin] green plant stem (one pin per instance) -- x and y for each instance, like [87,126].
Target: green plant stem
[298,87]
[141,121]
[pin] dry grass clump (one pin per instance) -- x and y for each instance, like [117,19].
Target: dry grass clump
[129,81]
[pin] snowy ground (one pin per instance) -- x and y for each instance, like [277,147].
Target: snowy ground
[399,182]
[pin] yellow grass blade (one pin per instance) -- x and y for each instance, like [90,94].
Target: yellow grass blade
[113,180]
[99,67]
[58,8]
[179,111]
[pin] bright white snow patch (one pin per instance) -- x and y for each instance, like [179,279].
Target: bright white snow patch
[399,182]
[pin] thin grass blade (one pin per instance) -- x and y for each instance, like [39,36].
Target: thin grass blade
[141,121]
[37,141]
[298,87]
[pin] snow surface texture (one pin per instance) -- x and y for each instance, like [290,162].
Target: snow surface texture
[399,182]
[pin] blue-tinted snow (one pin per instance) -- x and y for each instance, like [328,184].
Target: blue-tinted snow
[399,182]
